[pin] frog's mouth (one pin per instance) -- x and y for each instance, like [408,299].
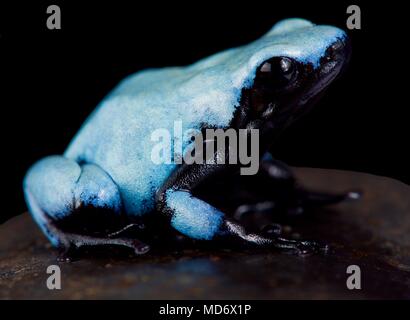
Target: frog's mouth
[313,83]
[331,65]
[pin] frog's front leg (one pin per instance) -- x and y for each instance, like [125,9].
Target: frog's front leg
[280,192]
[76,205]
[198,219]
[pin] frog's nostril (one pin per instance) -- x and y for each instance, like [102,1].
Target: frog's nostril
[338,45]
[337,51]
[333,50]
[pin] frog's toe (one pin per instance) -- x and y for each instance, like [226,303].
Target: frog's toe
[303,247]
[306,247]
[140,248]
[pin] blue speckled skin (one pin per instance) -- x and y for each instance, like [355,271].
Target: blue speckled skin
[108,162]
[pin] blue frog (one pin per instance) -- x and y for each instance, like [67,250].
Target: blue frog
[106,182]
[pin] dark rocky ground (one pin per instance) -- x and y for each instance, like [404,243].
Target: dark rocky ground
[373,234]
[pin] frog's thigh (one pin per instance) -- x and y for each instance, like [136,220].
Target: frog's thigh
[55,186]
[193,217]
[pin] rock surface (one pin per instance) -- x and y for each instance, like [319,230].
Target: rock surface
[373,233]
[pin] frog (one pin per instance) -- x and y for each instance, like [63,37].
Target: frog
[105,185]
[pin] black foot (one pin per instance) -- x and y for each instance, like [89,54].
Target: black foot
[73,242]
[271,237]
[67,254]
[308,198]
[289,196]
[301,247]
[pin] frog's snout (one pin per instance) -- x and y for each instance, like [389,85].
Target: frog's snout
[336,57]
[332,63]
[339,50]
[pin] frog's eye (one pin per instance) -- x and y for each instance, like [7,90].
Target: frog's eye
[277,73]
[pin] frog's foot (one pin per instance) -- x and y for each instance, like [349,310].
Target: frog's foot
[76,205]
[298,202]
[197,219]
[305,199]
[288,195]
[271,237]
[71,243]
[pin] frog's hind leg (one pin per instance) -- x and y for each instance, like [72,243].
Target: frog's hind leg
[197,219]
[73,204]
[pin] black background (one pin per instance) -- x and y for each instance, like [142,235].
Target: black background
[52,79]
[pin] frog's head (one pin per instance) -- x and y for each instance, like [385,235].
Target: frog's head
[293,64]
